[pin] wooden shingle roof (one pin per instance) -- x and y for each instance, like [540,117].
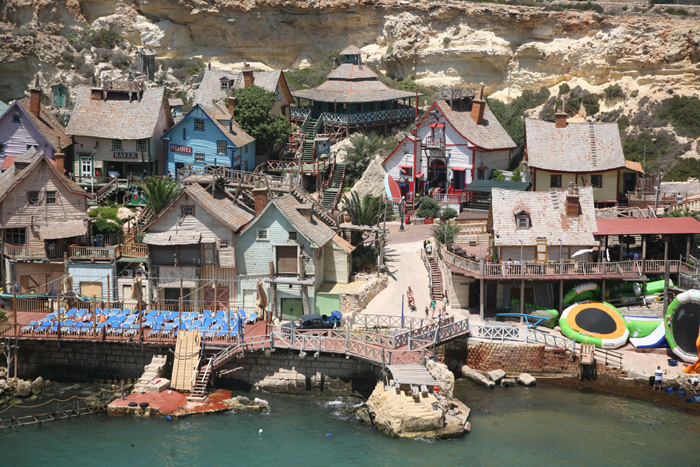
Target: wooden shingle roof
[489,134]
[579,147]
[53,131]
[313,229]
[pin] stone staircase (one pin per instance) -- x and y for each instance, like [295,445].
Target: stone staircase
[436,287]
[330,194]
[151,380]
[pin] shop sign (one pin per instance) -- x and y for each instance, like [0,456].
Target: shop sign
[125,155]
[185,149]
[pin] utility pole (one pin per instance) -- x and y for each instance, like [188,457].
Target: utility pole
[658,187]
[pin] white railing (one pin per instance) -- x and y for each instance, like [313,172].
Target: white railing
[300,112]
[453,198]
[368,117]
[499,332]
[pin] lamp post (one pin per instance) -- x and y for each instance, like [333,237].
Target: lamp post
[402,207]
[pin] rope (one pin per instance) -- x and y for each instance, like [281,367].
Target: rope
[20,406]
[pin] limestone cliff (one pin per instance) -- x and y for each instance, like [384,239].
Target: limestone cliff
[506,47]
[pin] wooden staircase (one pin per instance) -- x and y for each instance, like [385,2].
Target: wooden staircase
[201,382]
[330,194]
[307,153]
[436,287]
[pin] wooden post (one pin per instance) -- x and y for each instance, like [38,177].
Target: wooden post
[644,254]
[522,299]
[214,309]
[561,295]
[109,294]
[302,276]
[602,292]
[687,249]
[180,305]
[481,299]
[14,315]
[666,273]
[273,289]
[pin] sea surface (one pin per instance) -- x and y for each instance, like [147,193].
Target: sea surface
[544,425]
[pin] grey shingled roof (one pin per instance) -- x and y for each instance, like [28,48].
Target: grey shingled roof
[571,149]
[224,209]
[489,134]
[210,88]
[547,216]
[118,119]
[231,129]
[48,126]
[351,50]
[172,238]
[315,230]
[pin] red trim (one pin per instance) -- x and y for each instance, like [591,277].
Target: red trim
[458,169]
[405,166]
[437,125]
[396,149]
[419,175]
[473,164]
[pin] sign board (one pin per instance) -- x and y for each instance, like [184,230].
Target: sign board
[125,155]
[185,149]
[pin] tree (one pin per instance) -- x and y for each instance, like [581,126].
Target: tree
[427,208]
[252,113]
[517,175]
[450,228]
[367,210]
[159,192]
[449,213]
[360,153]
[497,175]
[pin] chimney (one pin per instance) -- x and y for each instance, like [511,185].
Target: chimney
[60,159]
[35,98]
[560,117]
[248,78]
[232,101]
[260,197]
[335,63]
[479,106]
[573,205]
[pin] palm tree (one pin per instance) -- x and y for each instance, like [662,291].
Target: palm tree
[365,211]
[159,192]
[445,232]
[360,153]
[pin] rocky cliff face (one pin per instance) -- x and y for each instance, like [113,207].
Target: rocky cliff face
[440,43]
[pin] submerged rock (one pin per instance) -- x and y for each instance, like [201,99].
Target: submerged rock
[243,404]
[38,385]
[24,388]
[364,415]
[526,379]
[508,382]
[496,375]
[476,377]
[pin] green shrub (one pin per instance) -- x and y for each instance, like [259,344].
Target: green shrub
[511,115]
[104,38]
[684,115]
[676,11]
[564,89]
[684,169]
[449,213]
[446,42]
[634,93]
[389,50]
[623,122]
[497,175]
[613,92]
[517,175]
[590,103]
[312,76]
[428,207]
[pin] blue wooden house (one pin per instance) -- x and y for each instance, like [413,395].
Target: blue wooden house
[304,252]
[209,136]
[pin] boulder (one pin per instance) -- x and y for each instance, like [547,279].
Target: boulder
[496,375]
[38,385]
[364,415]
[24,388]
[444,377]
[3,385]
[399,414]
[508,382]
[476,377]
[526,379]
[243,404]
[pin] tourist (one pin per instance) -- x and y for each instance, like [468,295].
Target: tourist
[443,312]
[426,242]
[426,312]
[658,378]
[432,309]
[694,385]
[679,198]
[447,300]
[429,249]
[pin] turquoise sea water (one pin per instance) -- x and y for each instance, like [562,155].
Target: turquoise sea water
[523,426]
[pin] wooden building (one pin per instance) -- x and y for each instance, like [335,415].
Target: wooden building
[586,154]
[117,131]
[293,252]
[194,239]
[459,140]
[26,124]
[352,99]
[42,213]
[208,135]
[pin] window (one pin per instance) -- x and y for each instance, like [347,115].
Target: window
[221,147]
[223,244]
[15,118]
[142,145]
[555,181]
[522,220]
[597,181]
[187,211]
[292,236]
[116,145]
[199,124]
[406,171]
[15,236]
[199,157]
[224,85]
[2,149]
[33,197]
[262,234]
[50,197]
[29,146]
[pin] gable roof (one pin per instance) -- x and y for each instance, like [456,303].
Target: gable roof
[548,218]
[216,114]
[579,147]
[3,107]
[489,134]
[11,177]
[351,50]
[117,119]
[222,208]
[210,86]
[45,124]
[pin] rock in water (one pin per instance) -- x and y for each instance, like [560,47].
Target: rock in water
[476,377]
[496,375]
[363,413]
[38,385]
[443,376]
[24,388]
[526,379]
[508,382]
[243,404]
[398,414]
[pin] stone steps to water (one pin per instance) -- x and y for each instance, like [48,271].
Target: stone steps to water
[151,380]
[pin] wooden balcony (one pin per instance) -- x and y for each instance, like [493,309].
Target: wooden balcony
[430,142]
[93,253]
[133,250]
[32,253]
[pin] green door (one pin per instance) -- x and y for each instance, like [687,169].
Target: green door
[324,304]
[291,308]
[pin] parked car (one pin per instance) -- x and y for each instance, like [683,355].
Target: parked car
[310,321]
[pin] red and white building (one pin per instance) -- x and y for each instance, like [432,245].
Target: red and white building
[459,140]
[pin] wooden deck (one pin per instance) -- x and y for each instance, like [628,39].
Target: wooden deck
[412,374]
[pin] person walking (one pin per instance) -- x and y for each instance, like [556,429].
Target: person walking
[432,309]
[443,312]
[426,312]
[658,378]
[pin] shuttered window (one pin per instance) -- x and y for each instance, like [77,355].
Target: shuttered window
[286,259]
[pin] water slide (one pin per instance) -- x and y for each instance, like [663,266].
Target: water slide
[535,310]
[655,339]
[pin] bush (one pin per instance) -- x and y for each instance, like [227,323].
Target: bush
[684,169]
[517,175]
[676,11]
[449,213]
[564,89]
[590,103]
[104,38]
[103,55]
[364,258]
[428,207]
[613,92]
[497,175]
[684,115]
[312,76]
[634,93]
[623,122]
[511,115]
[183,68]
[121,60]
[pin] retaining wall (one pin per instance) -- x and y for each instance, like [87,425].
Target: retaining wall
[516,358]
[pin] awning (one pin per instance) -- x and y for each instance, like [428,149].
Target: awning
[458,169]
[172,238]
[648,226]
[169,276]
[62,230]
[437,125]
[405,166]
[419,175]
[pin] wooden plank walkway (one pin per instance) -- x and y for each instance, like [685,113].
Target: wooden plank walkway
[412,374]
[187,351]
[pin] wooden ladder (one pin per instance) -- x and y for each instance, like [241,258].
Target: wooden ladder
[201,382]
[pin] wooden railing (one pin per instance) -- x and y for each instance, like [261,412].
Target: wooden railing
[32,252]
[432,142]
[93,252]
[452,198]
[133,250]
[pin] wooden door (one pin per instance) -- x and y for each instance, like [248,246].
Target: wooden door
[90,289]
[218,301]
[541,254]
[287,259]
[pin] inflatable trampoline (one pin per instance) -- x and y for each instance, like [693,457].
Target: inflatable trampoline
[594,323]
[682,321]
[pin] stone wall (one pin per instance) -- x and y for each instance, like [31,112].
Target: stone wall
[287,372]
[351,303]
[84,361]
[516,358]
